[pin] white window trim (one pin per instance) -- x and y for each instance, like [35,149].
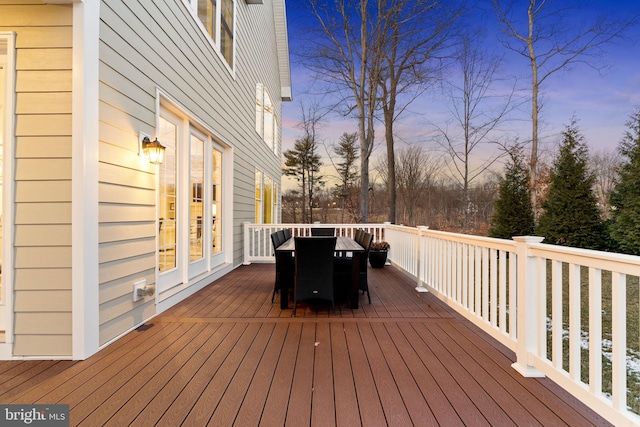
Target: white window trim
[192,7]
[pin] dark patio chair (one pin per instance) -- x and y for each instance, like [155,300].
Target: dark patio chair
[284,263]
[287,233]
[357,236]
[363,284]
[344,267]
[323,231]
[314,269]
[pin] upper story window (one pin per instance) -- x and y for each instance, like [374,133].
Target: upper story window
[217,17]
[226,31]
[266,123]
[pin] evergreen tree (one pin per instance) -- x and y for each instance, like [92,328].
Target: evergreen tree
[347,170]
[571,216]
[303,164]
[513,212]
[625,199]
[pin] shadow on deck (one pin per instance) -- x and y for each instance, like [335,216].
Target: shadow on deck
[227,356]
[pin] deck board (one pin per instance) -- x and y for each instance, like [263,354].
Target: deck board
[228,356]
[254,401]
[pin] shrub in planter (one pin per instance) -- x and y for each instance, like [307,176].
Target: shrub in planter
[378,254]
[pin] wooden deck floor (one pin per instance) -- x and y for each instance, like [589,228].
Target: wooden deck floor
[227,356]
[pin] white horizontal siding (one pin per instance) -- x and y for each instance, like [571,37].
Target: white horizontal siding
[42,233]
[149,45]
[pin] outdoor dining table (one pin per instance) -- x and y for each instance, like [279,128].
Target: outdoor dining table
[343,245]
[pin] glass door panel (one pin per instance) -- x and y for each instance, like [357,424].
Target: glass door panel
[196,204]
[169,260]
[168,212]
[196,170]
[216,202]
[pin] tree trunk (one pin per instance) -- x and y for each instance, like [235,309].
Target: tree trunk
[391,166]
[533,163]
[364,171]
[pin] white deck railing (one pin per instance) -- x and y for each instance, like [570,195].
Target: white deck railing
[561,310]
[257,237]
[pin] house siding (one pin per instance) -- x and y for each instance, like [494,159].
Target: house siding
[144,46]
[42,192]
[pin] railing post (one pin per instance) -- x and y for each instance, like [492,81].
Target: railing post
[421,258]
[390,257]
[245,247]
[527,307]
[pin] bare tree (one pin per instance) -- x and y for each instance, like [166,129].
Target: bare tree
[477,109]
[550,43]
[415,174]
[290,203]
[341,55]
[412,38]
[604,165]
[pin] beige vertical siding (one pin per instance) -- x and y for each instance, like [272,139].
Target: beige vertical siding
[42,280]
[145,45]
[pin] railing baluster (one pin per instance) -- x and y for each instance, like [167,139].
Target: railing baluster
[574,322]
[502,292]
[595,331]
[493,287]
[619,341]
[556,314]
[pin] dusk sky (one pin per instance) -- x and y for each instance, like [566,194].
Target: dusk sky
[601,101]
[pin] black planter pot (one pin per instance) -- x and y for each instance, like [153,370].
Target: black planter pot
[377,259]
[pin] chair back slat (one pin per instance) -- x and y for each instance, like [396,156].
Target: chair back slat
[323,231]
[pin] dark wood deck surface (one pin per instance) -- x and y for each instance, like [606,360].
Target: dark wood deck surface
[227,356]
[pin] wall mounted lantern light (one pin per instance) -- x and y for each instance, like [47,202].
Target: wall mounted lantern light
[153,150]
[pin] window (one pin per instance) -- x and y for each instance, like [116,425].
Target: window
[266,199]
[259,110]
[267,209]
[207,15]
[217,17]
[266,123]
[258,197]
[276,203]
[226,31]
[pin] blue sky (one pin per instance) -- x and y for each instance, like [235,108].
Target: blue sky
[600,101]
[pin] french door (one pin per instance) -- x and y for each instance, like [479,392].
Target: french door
[189,202]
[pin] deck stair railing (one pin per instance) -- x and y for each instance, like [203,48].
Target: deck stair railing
[569,314]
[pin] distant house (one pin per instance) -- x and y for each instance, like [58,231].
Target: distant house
[86,217]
